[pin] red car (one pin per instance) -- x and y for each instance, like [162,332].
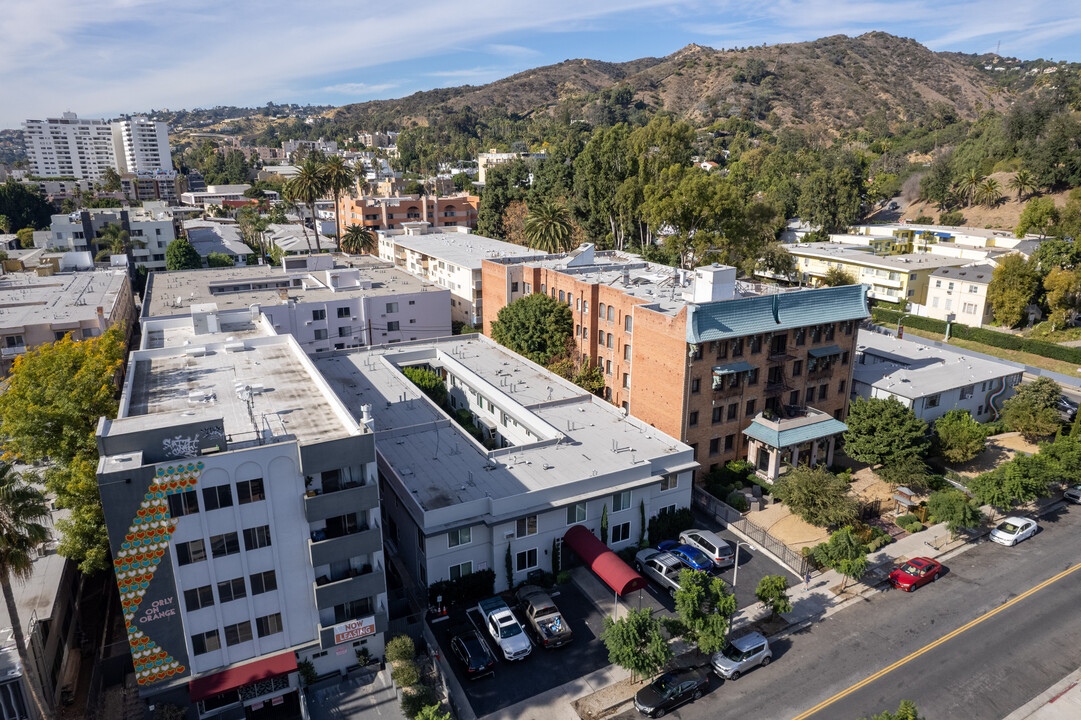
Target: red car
[915,572]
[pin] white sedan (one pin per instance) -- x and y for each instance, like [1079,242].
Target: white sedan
[1013,530]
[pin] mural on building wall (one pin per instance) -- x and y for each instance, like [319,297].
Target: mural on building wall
[144,546]
[994,397]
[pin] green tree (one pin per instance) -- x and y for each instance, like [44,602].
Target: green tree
[836,277]
[54,397]
[1019,481]
[908,470]
[776,260]
[337,179]
[816,495]
[604,524]
[110,180]
[953,218]
[119,242]
[503,185]
[1013,287]
[830,199]
[219,260]
[26,238]
[954,508]
[958,437]
[358,239]
[306,188]
[1025,415]
[969,185]
[5,224]
[882,431]
[772,592]
[698,211]
[704,608]
[1038,216]
[461,181]
[432,712]
[636,643]
[989,193]
[905,711]
[180,255]
[535,326]
[1023,183]
[431,384]
[24,205]
[23,513]
[400,648]
[548,227]
[1063,296]
[844,553]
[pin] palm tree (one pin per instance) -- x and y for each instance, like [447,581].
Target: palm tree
[358,239]
[22,512]
[1023,183]
[969,184]
[119,242]
[989,192]
[548,227]
[338,179]
[306,187]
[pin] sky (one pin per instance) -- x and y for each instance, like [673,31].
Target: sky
[103,58]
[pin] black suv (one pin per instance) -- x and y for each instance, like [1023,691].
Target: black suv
[671,690]
[473,652]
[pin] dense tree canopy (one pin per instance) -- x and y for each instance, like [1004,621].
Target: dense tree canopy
[882,431]
[180,255]
[24,206]
[816,495]
[535,326]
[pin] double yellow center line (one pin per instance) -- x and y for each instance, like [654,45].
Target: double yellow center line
[927,648]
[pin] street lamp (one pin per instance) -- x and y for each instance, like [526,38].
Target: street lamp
[899,336]
[735,571]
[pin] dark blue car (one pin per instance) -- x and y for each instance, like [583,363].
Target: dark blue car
[690,556]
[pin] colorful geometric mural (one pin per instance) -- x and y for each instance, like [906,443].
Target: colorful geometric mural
[994,397]
[144,546]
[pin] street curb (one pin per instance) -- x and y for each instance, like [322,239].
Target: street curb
[1047,697]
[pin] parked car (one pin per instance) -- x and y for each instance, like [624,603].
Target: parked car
[740,655]
[671,690]
[1067,408]
[505,629]
[711,544]
[914,573]
[660,567]
[1013,530]
[689,555]
[1073,494]
[543,616]
[472,651]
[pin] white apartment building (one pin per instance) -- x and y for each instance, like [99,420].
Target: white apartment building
[218,194]
[553,457]
[141,145]
[959,294]
[488,160]
[81,231]
[324,306]
[69,147]
[327,147]
[242,506]
[450,257]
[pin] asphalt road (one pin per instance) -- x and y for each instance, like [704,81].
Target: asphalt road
[894,646]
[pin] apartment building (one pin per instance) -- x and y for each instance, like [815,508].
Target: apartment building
[449,258]
[960,294]
[41,309]
[738,370]
[152,224]
[141,146]
[216,235]
[553,457]
[291,147]
[392,212]
[242,506]
[218,194]
[323,305]
[976,243]
[69,147]
[150,186]
[490,159]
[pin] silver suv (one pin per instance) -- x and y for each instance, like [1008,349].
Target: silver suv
[661,567]
[741,655]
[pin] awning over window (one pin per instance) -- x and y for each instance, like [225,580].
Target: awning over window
[736,367]
[615,573]
[824,351]
[240,675]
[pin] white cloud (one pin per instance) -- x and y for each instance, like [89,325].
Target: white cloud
[511,50]
[358,88]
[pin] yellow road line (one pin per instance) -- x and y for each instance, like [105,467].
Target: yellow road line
[927,648]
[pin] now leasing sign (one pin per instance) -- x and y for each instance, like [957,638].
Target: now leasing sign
[354,629]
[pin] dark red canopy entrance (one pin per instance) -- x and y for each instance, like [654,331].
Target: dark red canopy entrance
[614,572]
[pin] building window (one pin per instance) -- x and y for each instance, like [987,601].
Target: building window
[320,334]
[319,314]
[750,408]
[526,526]
[966,392]
[669,481]
[607,367]
[600,311]
[621,501]
[229,590]
[692,419]
[733,411]
[562,297]
[202,643]
[525,560]
[729,442]
[256,537]
[628,324]
[932,401]
[217,497]
[718,415]
[249,491]
[800,336]
[841,388]
[756,344]
[696,386]
[714,446]
[197,598]
[461,536]
[263,582]
[752,376]
[269,624]
[393,325]
[185,503]
[391,308]
[823,392]
[609,341]
[737,347]
[576,513]
[973,289]
[600,338]
[236,634]
[810,395]
[844,358]
[621,532]
[458,571]
[190,552]
[224,545]
[514,287]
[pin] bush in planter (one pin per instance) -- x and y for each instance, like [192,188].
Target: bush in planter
[401,649]
[416,700]
[363,656]
[405,673]
[738,500]
[913,527]
[906,520]
[306,669]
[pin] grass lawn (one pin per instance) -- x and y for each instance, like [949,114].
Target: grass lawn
[1015,355]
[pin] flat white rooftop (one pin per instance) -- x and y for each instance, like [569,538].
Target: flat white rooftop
[63,300]
[862,255]
[458,248]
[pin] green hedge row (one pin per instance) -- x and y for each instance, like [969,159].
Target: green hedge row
[980,335]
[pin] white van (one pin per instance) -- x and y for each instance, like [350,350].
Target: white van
[711,544]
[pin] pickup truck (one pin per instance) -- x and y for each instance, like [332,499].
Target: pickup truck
[543,616]
[662,568]
[504,628]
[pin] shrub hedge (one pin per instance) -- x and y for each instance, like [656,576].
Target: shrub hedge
[981,335]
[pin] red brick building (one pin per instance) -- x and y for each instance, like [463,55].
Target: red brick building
[391,212]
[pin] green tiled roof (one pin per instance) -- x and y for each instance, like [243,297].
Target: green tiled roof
[739,317]
[796,435]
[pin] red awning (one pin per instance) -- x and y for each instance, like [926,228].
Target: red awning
[613,571]
[239,675]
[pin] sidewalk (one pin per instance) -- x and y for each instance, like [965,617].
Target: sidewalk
[361,695]
[1061,701]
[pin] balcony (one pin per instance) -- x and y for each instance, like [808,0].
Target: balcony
[358,585]
[12,351]
[352,497]
[325,551]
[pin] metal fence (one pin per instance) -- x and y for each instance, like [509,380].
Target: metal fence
[732,518]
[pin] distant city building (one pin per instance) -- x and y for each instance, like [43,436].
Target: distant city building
[153,224]
[490,159]
[217,194]
[152,185]
[392,212]
[69,147]
[960,294]
[141,146]
[327,147]
[378,139]
[215,236]
[296,239]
